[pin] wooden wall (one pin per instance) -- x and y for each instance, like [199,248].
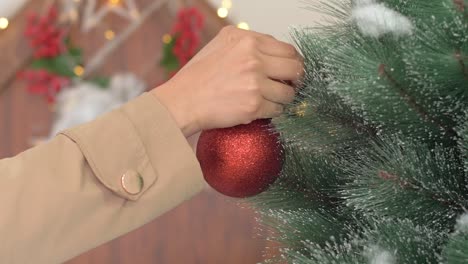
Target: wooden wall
[207,229]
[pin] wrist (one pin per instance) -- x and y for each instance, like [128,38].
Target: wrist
[178,108]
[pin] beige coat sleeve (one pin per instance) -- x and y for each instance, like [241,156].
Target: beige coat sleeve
[94,183]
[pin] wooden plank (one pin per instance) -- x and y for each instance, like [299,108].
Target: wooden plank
[207,229]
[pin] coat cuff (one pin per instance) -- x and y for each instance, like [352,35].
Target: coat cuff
[130,148]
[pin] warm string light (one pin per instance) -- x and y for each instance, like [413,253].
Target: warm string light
[167,38]
[4,23]
[227,4]
[223,12]
[79,70]
[113,2]
[243,25]
[109,34]
[94,13]
[301,109]
[133,13]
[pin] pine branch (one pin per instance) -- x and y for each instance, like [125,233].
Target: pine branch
[411,101]
[459,58]
[460,5]
[414,187]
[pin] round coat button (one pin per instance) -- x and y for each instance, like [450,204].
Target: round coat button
[132,182]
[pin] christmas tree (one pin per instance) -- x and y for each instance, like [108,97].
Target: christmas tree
[376,143]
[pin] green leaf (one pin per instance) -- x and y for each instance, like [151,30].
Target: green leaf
[41,64]
[169,61]
[102,82]
[77,55]
[61,65]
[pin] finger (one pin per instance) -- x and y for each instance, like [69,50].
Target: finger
[283,68]
[270,110]
[277,92]
[257,35]
[271,46]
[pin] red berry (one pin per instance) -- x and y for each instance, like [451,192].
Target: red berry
[56,84]
[45,37]
[50,98]
[52,15]
[37,88]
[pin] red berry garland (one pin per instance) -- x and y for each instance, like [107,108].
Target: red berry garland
[183,41]
[44,83]
[45,37]
[186,31]
[56,61]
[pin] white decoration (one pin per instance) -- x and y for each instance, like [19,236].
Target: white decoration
[383,257]
[69,10]
[375,20]
[8,8]
[363,2]
[86,101]
[90,18]
[92,15]
[377,255]
[462,223]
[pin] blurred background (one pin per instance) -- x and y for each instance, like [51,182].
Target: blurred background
[66,61]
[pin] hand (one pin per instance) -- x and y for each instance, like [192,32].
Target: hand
[232,81]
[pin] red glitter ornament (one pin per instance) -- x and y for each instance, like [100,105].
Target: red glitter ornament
[241,161]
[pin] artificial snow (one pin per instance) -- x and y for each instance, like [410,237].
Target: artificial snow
[462,223]
[380,256]
[374,19]
[85,101]
[363,2]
